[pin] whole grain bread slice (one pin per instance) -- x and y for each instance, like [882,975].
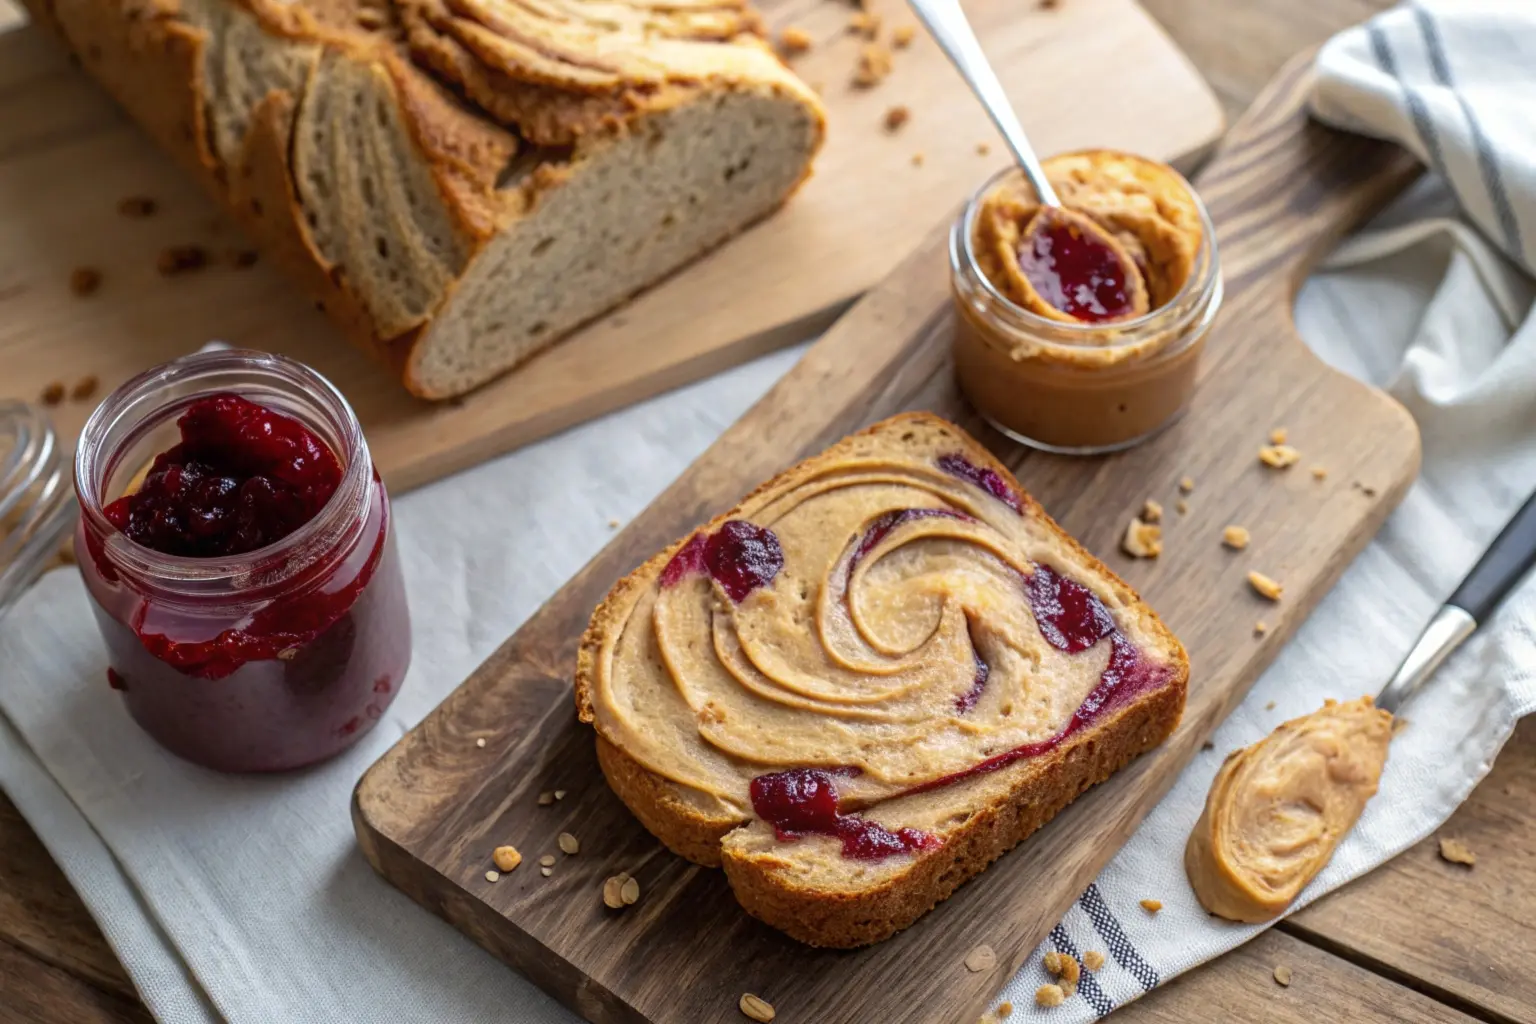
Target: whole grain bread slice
[803,887]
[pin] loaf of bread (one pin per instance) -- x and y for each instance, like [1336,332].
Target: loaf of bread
[461,182]
[869,680]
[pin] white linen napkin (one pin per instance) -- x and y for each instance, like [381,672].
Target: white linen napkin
[244,899]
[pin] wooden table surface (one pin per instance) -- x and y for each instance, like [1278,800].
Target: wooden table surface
[1417,940]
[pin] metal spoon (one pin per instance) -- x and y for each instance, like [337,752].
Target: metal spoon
[949,27]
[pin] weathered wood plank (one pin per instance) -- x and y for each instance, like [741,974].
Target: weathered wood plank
[32,992]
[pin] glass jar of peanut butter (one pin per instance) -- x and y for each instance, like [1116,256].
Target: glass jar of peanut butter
[1082,336]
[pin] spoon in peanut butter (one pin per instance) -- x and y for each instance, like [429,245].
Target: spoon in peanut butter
[1074,266]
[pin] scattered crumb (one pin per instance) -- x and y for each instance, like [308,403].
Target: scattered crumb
[546,798]
[1282,976]
[1207,745]
[1260,628]
[757,1008]
[864,23]
[1187,484]
[1182,507]
[181,259]
[506,858]
[1004,1010]
[569,844]
[1278,436]
[630,891]
[1279,456]
[613,524]
[492,876]
[874,64]
[896,117]
[547,861]
[370,17]
[613,891]
[84,281]
[1151,906]
[480,742]
[1456,852]
[1142,539]
[1093,960]
[1399,723]
[1235,537]
[1265,586]
[1049,995]
[917,159]
[1052,962]
[982,149]
[53,394]
[1270,706]
[795,39]
[1319,473]
[242,259]
[137,206]
[1070,972]
[559,794]
[982,958]
[84,388]
[1152,511]
[546,871]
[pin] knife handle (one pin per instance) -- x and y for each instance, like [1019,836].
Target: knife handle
[1502,566]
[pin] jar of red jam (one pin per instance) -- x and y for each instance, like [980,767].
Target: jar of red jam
[237,544]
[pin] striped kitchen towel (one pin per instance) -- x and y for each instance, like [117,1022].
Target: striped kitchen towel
[1454,81]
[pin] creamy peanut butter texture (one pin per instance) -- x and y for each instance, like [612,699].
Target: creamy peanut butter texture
[894,647]
[1277,809]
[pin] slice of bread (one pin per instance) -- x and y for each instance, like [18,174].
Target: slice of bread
[459,185]
[696,689]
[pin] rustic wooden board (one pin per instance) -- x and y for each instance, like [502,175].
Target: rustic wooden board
[1094,72]
[430,811]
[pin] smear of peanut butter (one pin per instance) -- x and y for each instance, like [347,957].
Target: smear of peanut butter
[1277,809]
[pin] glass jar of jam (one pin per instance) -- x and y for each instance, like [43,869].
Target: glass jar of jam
[237,544]
[1083,380]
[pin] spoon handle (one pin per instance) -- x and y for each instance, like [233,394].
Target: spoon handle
[947,23]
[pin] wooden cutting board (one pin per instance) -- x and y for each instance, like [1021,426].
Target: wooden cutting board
[429,813]
[1091,72]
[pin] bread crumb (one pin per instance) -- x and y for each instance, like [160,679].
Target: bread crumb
[569,844]
[1152,511]
[181,259]
[84,388]
[1052,962]
[1278,436]
[480,742]
[1282,976]
[492,876]
[1151,906]
[896,117]
[506,858]
[795,39]
[613,524]
[1049,995]
[756,1008]
[613,892]
[1093,960]
[917,159]
[1235,537]
[1182,507]
[1270,706]
[982,149]
[864,23]
[982,958]
[1260,628]
[53,394]
[137,207]
[547,861]
[546,871]
[874,65]
[560,794]
[1279,456]
[1456,852]
[1004,1010]
[1142,539]
[1070,971]
[1319,473]
[546,798]
[902,36]
[1265,586]
[84,281]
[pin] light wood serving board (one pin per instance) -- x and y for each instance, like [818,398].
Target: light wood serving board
[430,811]
[1093,72]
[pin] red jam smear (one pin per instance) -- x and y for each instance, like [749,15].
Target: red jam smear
[967,700]
[740,556]
[989,480]
[242,477]
[804,801]
[881,526]
[1074,271]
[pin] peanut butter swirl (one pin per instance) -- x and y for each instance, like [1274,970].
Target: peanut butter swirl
[1277,809]
[882,625]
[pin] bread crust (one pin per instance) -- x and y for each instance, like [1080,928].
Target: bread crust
[1038,787]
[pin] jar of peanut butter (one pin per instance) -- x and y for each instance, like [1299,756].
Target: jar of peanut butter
[1080,333]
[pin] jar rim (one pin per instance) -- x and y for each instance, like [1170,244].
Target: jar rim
[1193,296]
[141,404]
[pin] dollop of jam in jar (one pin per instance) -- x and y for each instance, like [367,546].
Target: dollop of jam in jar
[247,585]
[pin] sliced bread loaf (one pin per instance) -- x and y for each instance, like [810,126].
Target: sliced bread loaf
[870,679]
[460,184]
